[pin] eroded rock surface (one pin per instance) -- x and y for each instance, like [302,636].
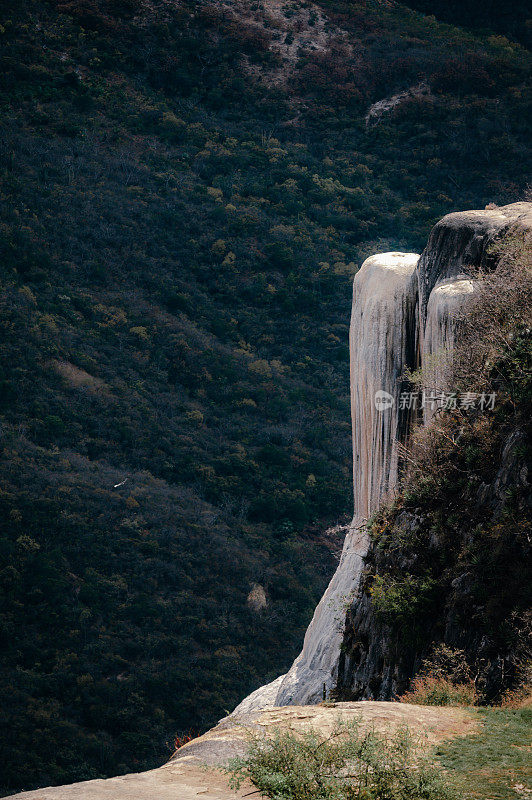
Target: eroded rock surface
[460,243]
[404,311]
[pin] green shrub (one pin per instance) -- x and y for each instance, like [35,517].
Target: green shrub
[351,764]
[401,598]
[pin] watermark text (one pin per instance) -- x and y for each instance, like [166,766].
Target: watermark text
[432,400]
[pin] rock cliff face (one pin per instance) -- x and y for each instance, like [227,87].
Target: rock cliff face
[380,655]
[442,324]
[382,344]
[404,312]
[472,612]
[461,242]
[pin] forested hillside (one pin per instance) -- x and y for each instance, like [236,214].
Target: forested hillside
[186,190]
[513,20]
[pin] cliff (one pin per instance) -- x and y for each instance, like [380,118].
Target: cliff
[454,574]
[462,242]
[447,561]
[406,313]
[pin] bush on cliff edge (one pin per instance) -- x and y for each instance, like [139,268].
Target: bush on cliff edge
[351,764]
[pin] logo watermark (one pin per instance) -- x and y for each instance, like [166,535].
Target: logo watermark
[447,401]
[383,400]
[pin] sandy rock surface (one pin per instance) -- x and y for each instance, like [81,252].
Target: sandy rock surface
[192,773]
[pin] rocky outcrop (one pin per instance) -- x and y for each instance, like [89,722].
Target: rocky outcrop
[460,244]
[382,107]
[442,327]
[379,657]
[382,344]
[404,312]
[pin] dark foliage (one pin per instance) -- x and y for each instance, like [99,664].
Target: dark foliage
[178,232]
[513,20]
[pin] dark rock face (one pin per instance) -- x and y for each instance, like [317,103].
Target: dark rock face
[379,659]
[460,243]
[374,664]
[511,476]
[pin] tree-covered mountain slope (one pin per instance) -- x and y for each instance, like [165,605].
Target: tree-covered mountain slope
[513,20]
[186,189]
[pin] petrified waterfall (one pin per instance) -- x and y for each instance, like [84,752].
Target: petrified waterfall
[405,313]
[382,343]
[446,301]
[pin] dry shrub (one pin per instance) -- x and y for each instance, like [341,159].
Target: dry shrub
[436,453]
[492,353]
[429,450]
[498,311]
[518,698]
[444,680]
[431,690]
